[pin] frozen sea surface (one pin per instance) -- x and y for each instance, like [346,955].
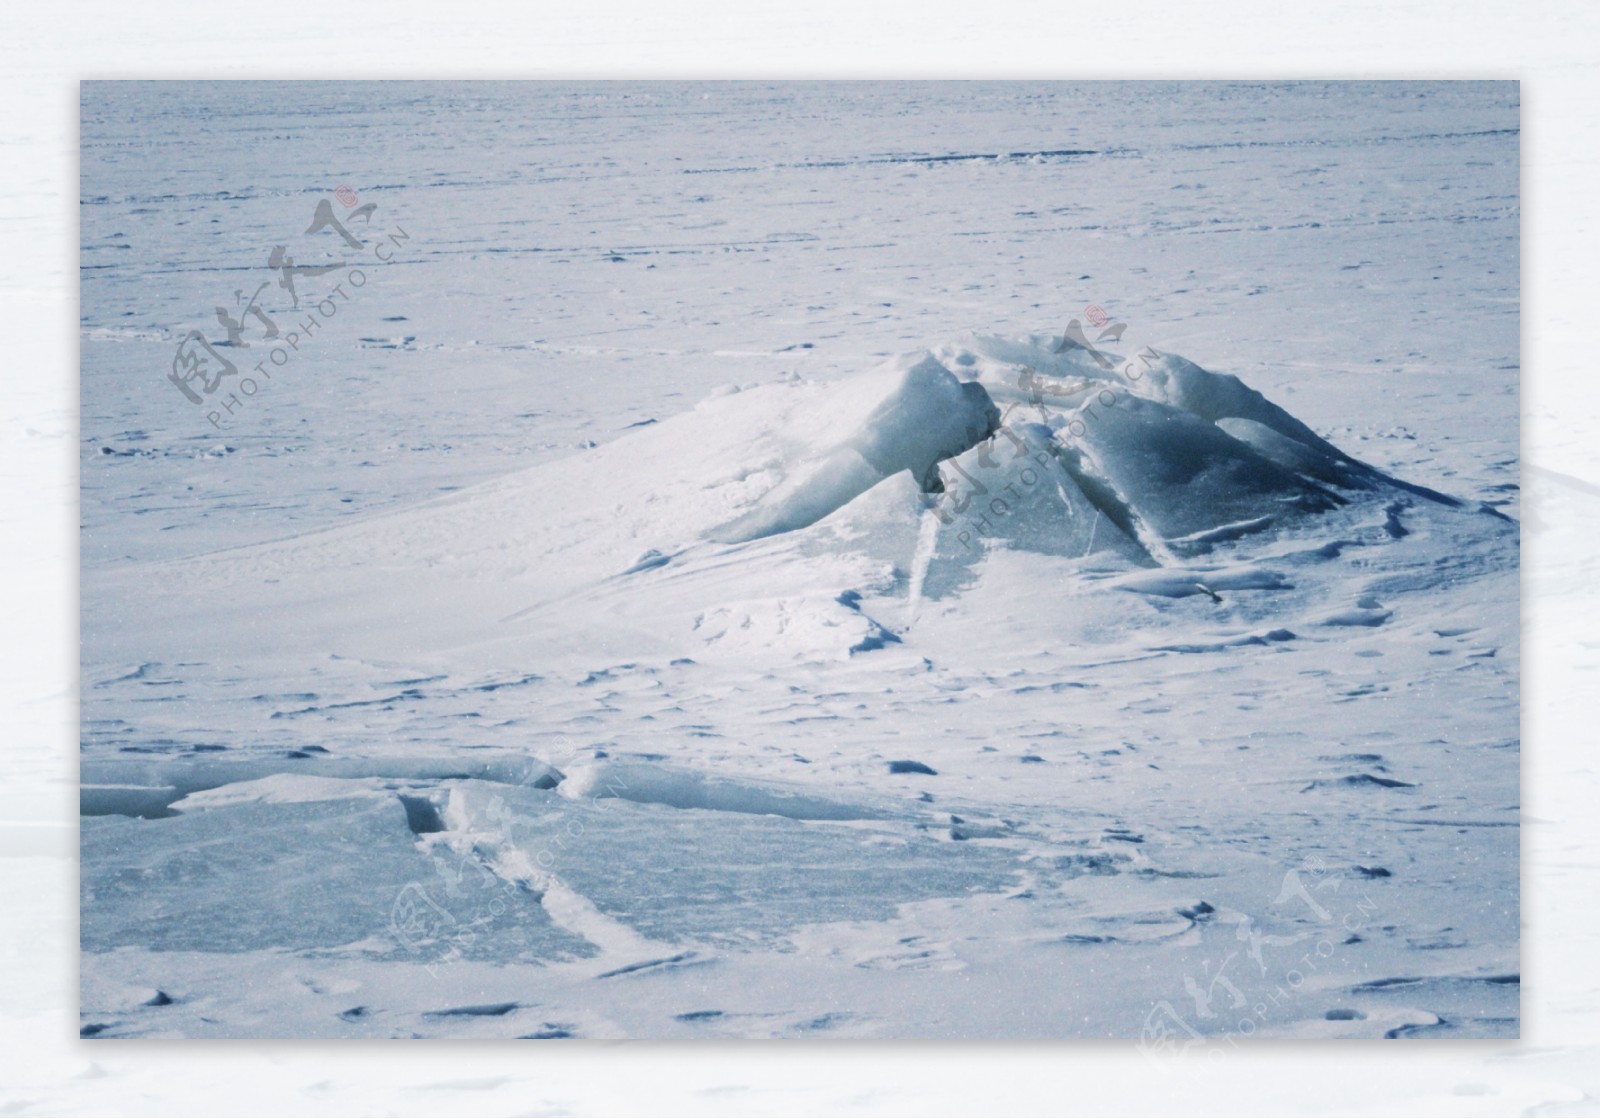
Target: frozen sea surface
[571,637]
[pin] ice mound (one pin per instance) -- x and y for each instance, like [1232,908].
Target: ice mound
[1151,457]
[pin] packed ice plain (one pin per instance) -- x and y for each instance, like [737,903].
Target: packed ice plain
[575,641]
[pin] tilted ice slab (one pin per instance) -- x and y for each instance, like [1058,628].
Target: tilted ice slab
[929,416]
[150,786]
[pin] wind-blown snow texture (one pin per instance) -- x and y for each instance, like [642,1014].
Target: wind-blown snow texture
[694,585]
